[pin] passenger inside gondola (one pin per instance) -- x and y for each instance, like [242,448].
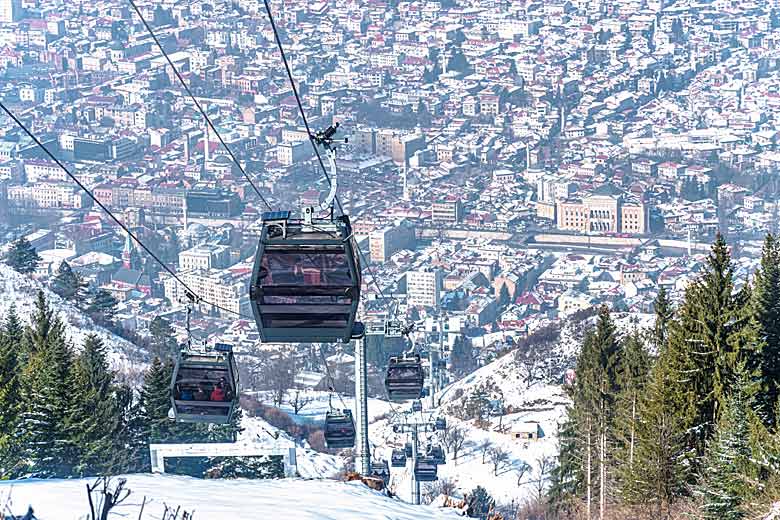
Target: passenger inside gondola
[186,394]
[218,394]
[200,394]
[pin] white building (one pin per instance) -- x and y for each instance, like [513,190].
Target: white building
[47,195]
[224,288]
[204,257]
[10,11]
[424,287]
[386,241]
[290,153]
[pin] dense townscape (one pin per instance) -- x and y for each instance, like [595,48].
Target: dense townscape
[509,169]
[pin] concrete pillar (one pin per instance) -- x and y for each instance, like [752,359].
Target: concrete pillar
[362,448]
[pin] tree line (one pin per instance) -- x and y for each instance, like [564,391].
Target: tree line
[98,303]
[684,416]
[64,412]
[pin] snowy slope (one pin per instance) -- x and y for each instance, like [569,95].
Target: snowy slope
[468,470]
[318,404]
[21,291]
[311,464]
[221,499]
[530,402]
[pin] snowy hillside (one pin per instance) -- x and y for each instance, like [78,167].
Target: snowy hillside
[19,290]
[311,464]
[221,499]
[317,404]
[530,403]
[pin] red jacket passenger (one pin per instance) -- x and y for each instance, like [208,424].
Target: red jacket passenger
[218,394]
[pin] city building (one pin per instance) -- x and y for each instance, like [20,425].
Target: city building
[447,211]
[385,241]
[605,210]
[47,195]
[424,287]
[224,288]
[204,202]
[10,11]
[399,147]
[204,257]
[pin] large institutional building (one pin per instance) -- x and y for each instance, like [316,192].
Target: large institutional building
[606,210]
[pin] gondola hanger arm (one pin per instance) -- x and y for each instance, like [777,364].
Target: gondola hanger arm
[325,138]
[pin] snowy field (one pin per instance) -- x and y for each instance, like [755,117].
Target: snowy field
[533,402]
[220,499]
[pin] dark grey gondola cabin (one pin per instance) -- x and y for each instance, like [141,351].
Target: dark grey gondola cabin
[339,429]
[306,280]
[404,378]
[204,386]
[425,469]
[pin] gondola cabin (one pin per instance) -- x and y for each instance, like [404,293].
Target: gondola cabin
[416,406]
[404,378]
[339,429]
[398,459]
[440,424]
[381,469]
[425,469]
[204,386]
[305,284]
[437,454]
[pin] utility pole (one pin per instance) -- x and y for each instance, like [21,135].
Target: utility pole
[363,455]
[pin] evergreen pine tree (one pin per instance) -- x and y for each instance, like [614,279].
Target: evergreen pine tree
[462,357]
[632,379]
[133,454]
[729,473]
[163,340]
[480,503]
[22,256]
[95,415]
[566,478]
[663,314]
[592,413]
[44,440]
[503,296]
[68,284]
[245,467]
[36,335]
[766,305]
[155,402]
[101,306]
[10,339]
[712,334]
[227,432]
[660,472]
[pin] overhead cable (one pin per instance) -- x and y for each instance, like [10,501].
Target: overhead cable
[198,105]
[102,206]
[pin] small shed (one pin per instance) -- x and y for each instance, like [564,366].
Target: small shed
[527,431]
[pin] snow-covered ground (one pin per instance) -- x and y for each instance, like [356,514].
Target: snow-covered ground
[220,499]
[311,464]
[318,403]
[531,402]
[21,291]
